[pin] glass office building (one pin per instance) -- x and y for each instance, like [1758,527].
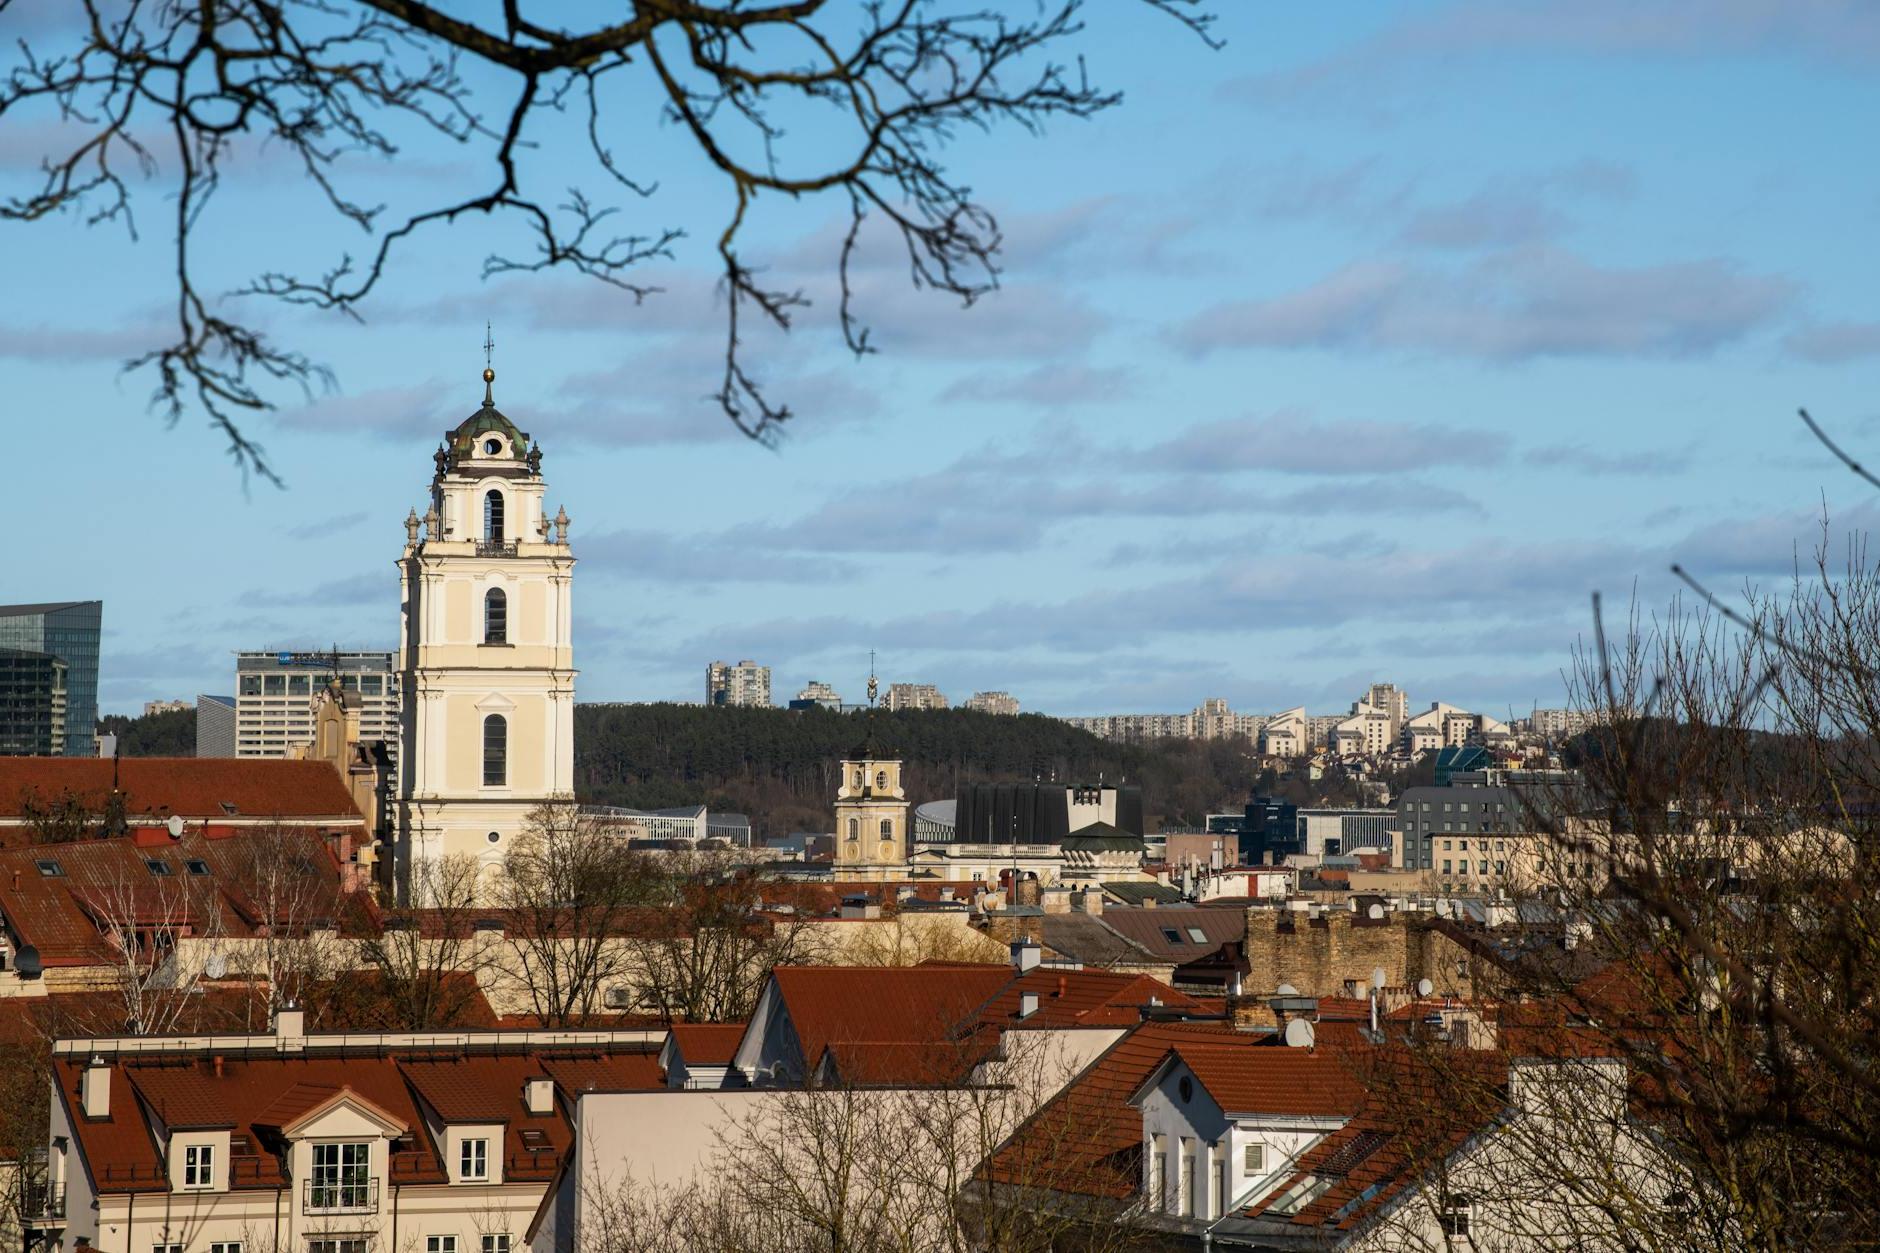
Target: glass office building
[68,631]
[32,704]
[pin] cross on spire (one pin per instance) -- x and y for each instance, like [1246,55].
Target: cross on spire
[489,372]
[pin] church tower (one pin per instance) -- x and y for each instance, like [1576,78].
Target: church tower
[485,648]
[871,811]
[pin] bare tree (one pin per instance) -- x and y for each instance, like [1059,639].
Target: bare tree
[273,877]
[157,933]
[569,892]
[193,92]
[704,954]
[426,956]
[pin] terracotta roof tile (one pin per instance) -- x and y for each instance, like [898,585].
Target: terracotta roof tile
[707,1043]
[870,1005]
[1268,1079]
[197,788]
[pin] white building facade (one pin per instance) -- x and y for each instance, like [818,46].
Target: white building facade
[486,655]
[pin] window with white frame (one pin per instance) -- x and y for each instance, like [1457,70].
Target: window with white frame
[1453,1216]
[1255,1160]
[166,1248]
[496,1242]
[199,1166]
[473,1162]
[225,1246]
[440,1244]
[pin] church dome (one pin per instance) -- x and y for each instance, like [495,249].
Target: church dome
[487,435]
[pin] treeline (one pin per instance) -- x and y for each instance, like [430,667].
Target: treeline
[171,734]
[779,765]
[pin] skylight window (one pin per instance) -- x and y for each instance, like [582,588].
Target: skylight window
[1197,935]
[197,866]
[51,869]
[157,866]
[1309,1189]
[1171,935]
[230,808]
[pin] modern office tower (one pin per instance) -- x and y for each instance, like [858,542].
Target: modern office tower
[215,726]
[746,683]
[68,630]
[275,691]
[32,704]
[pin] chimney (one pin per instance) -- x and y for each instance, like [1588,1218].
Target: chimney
[1026,955]
[16,880]
[1064,985]
[538,1096]
[218,1065]
[1027,1004]
[290,1029]
[1089,901]
[94,1090]
[1246,1013]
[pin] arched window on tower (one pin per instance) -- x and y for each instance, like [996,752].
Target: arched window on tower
[493,516]
[495,751]
[887,828]
[881,779]
[855,828]
[495,617]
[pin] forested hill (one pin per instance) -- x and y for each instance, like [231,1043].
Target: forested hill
[779,765]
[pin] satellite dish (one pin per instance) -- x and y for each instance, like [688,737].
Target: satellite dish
[1375,913]
[176,826]
[216,967]
[1377,972]
[26,962]
[1286,989]
[1425,987]
[1299,1034]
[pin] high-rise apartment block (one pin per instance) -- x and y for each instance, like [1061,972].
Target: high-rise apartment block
[993,703]
[69,631]
[817,694]
[915,696]
[746,683]
[275,691]
[1210,720]
[155,707]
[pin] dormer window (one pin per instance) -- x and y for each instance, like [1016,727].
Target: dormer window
[199,1166]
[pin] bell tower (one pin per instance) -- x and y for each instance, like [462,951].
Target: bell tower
[485,648]
[871,810]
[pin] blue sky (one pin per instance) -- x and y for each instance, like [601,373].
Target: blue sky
[1363,349]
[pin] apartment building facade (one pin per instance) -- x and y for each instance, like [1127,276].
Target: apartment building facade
[276,690]
[745,683]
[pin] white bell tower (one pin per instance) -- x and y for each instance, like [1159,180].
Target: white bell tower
[485,649]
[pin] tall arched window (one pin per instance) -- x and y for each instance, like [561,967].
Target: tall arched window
[855,828]
[495,751]
[495,617]
[887,828]
[493,516]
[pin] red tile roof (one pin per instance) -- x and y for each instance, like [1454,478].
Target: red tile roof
[707,1043]
[197,788]
[1088,1137]
[98,884]
[1269,1079]
[1083,998]
[928,1005]
[258,1095]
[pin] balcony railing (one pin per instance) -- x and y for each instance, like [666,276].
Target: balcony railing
[45,1203]
[321,1197]
[497,547]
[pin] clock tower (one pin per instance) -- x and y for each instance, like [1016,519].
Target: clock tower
[485,649]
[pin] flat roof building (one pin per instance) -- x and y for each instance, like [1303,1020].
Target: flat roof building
[275,691]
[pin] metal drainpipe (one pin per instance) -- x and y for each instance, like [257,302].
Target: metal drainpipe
[130,1223]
